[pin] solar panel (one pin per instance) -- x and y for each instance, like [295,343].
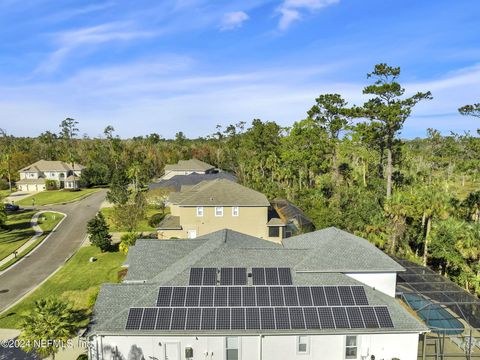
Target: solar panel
[193,296]
[134,319]
[196,276]
[383,316]
[318,295]
[331,293]
[206,296]
[149,319]
[223,319]
[285,276]
[304,296]
[178,296]
[340,317]
[282,319]
[234,296]
[369,317]
[276,296]
[208,319]
[194,316]
[346,296]
[326,318]
[297,320]
[178,319]
[291,298]
[209,276]
[239,276]
[263,296]
[164,296]
[163,319]
[220,296]
[238,318]
[355,317]
[252,318]
[311,318]
[248,296]
[258,276]
[271,276]
[359,295]
[267,318]
[226,276]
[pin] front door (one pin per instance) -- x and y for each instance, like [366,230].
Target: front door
[172,351]
[192,234]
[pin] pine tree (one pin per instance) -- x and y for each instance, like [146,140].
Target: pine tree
[98,231]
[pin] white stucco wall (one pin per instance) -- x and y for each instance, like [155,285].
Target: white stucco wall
[321,347]
[384,282]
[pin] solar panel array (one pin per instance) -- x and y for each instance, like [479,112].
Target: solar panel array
[258,296]
[258,318]
[271,276]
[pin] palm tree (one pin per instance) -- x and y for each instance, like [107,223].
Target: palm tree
[50,319]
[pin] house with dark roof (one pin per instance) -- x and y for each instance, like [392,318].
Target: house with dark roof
[65,175]
[177,182]
[213,205]
[227,295]
[186,167]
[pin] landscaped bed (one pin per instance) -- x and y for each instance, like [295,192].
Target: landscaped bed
[78,281]
[50,197]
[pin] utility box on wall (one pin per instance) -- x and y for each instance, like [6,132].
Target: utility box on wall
[188,353]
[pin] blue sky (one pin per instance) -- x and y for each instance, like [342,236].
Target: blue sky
[188,65]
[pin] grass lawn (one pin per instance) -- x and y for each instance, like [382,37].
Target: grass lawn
[55,197]
[143,226]
[78,281]
[17,232]
[47,221]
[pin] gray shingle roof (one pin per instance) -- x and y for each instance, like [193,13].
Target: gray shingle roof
[170,222]
[177,182]
[168,262]
[49,165]
[220,192]
[189,165]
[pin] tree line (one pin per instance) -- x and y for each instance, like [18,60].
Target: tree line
[344,165]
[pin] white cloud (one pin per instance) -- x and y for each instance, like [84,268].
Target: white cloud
[291,10]
[69,41]
[233,20]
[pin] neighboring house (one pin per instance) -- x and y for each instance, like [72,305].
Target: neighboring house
[32,177]
[229,296]
[213,205]
[294,218]
[175,183]
[186,167]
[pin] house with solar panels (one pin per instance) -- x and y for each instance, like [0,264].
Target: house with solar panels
[228,296]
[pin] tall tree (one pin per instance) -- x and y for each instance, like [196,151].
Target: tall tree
[470,110]
[330,113]
[389,109]
[68,131]
[98,232]
[6,156]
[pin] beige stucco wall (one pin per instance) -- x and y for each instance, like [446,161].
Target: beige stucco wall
[251,221]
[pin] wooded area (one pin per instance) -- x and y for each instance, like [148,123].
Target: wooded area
[345,166]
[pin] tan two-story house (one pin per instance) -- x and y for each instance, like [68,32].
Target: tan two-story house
[213,205]
[33,177]
[187,167]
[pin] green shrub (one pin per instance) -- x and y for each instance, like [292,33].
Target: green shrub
[4,184]
[82,357]
[51,184]
[155,219]
[127,240]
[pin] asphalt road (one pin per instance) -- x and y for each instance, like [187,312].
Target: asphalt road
[47,258]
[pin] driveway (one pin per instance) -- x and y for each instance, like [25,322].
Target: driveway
[48,257]
[17,196]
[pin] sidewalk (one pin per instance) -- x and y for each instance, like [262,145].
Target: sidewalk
[38,232]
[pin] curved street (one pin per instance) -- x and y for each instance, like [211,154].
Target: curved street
[48,257]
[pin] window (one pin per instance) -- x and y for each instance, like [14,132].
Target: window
[218,210]
[235,211]
[274,231]
[199,211]
[351,347]
[232,348]
[303,345]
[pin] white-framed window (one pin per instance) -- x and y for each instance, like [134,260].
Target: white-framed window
[351,347]
[199,211]
[303,345]
[235,211]
[218,210]
[232,348]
